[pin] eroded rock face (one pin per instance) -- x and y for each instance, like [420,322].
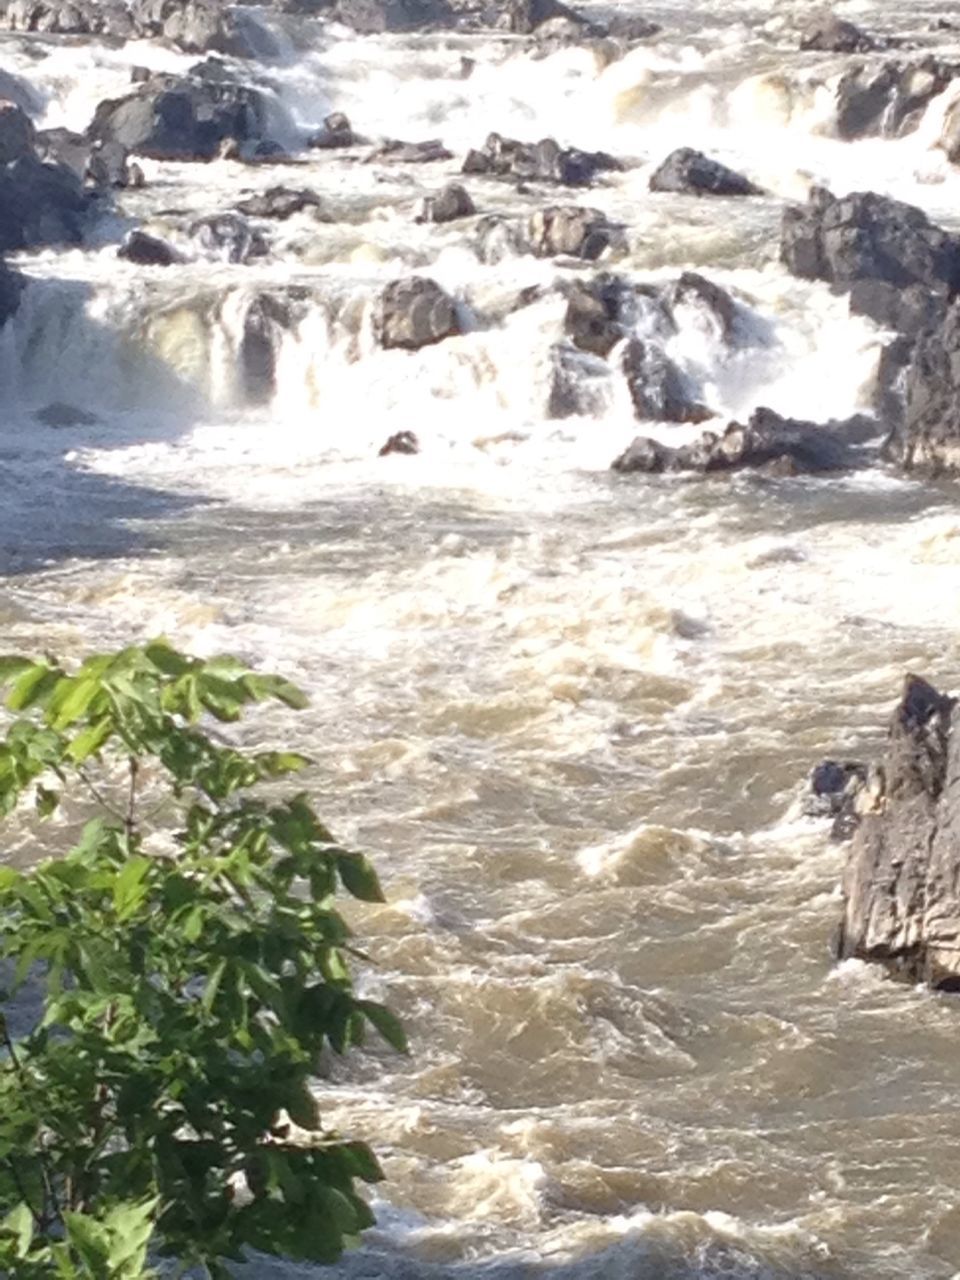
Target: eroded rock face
[690,172]
[414,313]
[901,887]
[928,438]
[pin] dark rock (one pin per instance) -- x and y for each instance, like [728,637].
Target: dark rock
[834,791]
[889,97]
[900,886]
[21,93]
[401,442]
[447,205]
[868,237]
[523,17]
[690,172]
[229,238]
[827,33]
[197,26]
[568,230]
[101,165]
[263,325]
[413,313]
[599,313]
[928,438]
[59,414]
[693,289]
[336,132]
[784,445]
[278,202]
[181,118]
[658,389]
[396,152]
[544,161]
[629,27]
[373,17]
[147,250]
[17,134]
[12,284]
[40,204]
[579,383]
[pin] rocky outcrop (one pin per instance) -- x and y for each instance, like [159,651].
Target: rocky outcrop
[783,445]
[544,161]
[878,248]
[901,885]
[181,117]
[690,172]
[927,438]
[414,313]
[887,98]
[826,33]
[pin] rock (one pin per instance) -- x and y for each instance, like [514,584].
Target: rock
[901,901]
[599,313]
[336,132]
[278,202]
[40,204]
[888,98]
[181,118]
[568,230]
[60,414]
[827,33]
[147,250]
[197,26]
[263,325]
[447,205]
[658,389]
[413,313]
[523,17]
[629,27]
[579,383]
[868,237]
[928,438]
[228,237]
[401,442]
[690,172]
[544,161]
[784,445]
[101,165]
[373,17]
[12,285]
[394,151]
[17,134]
[834,791]
[950,133]
[693,289]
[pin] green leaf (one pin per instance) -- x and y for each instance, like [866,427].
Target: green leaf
[359,877]
[212,986]
[130,887]
[32,686]
[71,700]
[166,659]
[90,1241]
[13,665]
[19,1224]
[89,740]
[388,1024]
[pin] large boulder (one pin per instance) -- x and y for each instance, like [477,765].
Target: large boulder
[784,445]
[826,33]
[690,172]
[869,237]
[414,313]
[901,885]
[544,161]
[928,437]
[181,117]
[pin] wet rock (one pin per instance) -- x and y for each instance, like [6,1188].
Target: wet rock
[60,414]
[523,17]
[599,313]
[181,118]
[147,250]
[928,437]
[629,28]
[568,230]
[544,161]
[101,165]
[827,33]
[263,325]
[404,442]
[228,237]
[278,202]
[40,204]
[373,17]
[21,93]
[901,905]
[888,98]
[690,172]
[337,132]
[833,791]
[414,313]
[868,237]
[693,289]
[194,25]
[658,389]
[579,383]
[17,134]
[448,205]
[393,151]
[784,445]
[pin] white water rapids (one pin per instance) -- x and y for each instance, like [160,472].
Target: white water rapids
[568,713]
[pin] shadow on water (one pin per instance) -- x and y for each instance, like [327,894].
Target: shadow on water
[55,352]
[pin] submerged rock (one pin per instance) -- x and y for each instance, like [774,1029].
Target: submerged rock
[827,33]
[785,445]
[690,172]
[147,250]
[414,313]
[544,161]
[901,885]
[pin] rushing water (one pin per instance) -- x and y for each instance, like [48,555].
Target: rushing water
[569,713]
